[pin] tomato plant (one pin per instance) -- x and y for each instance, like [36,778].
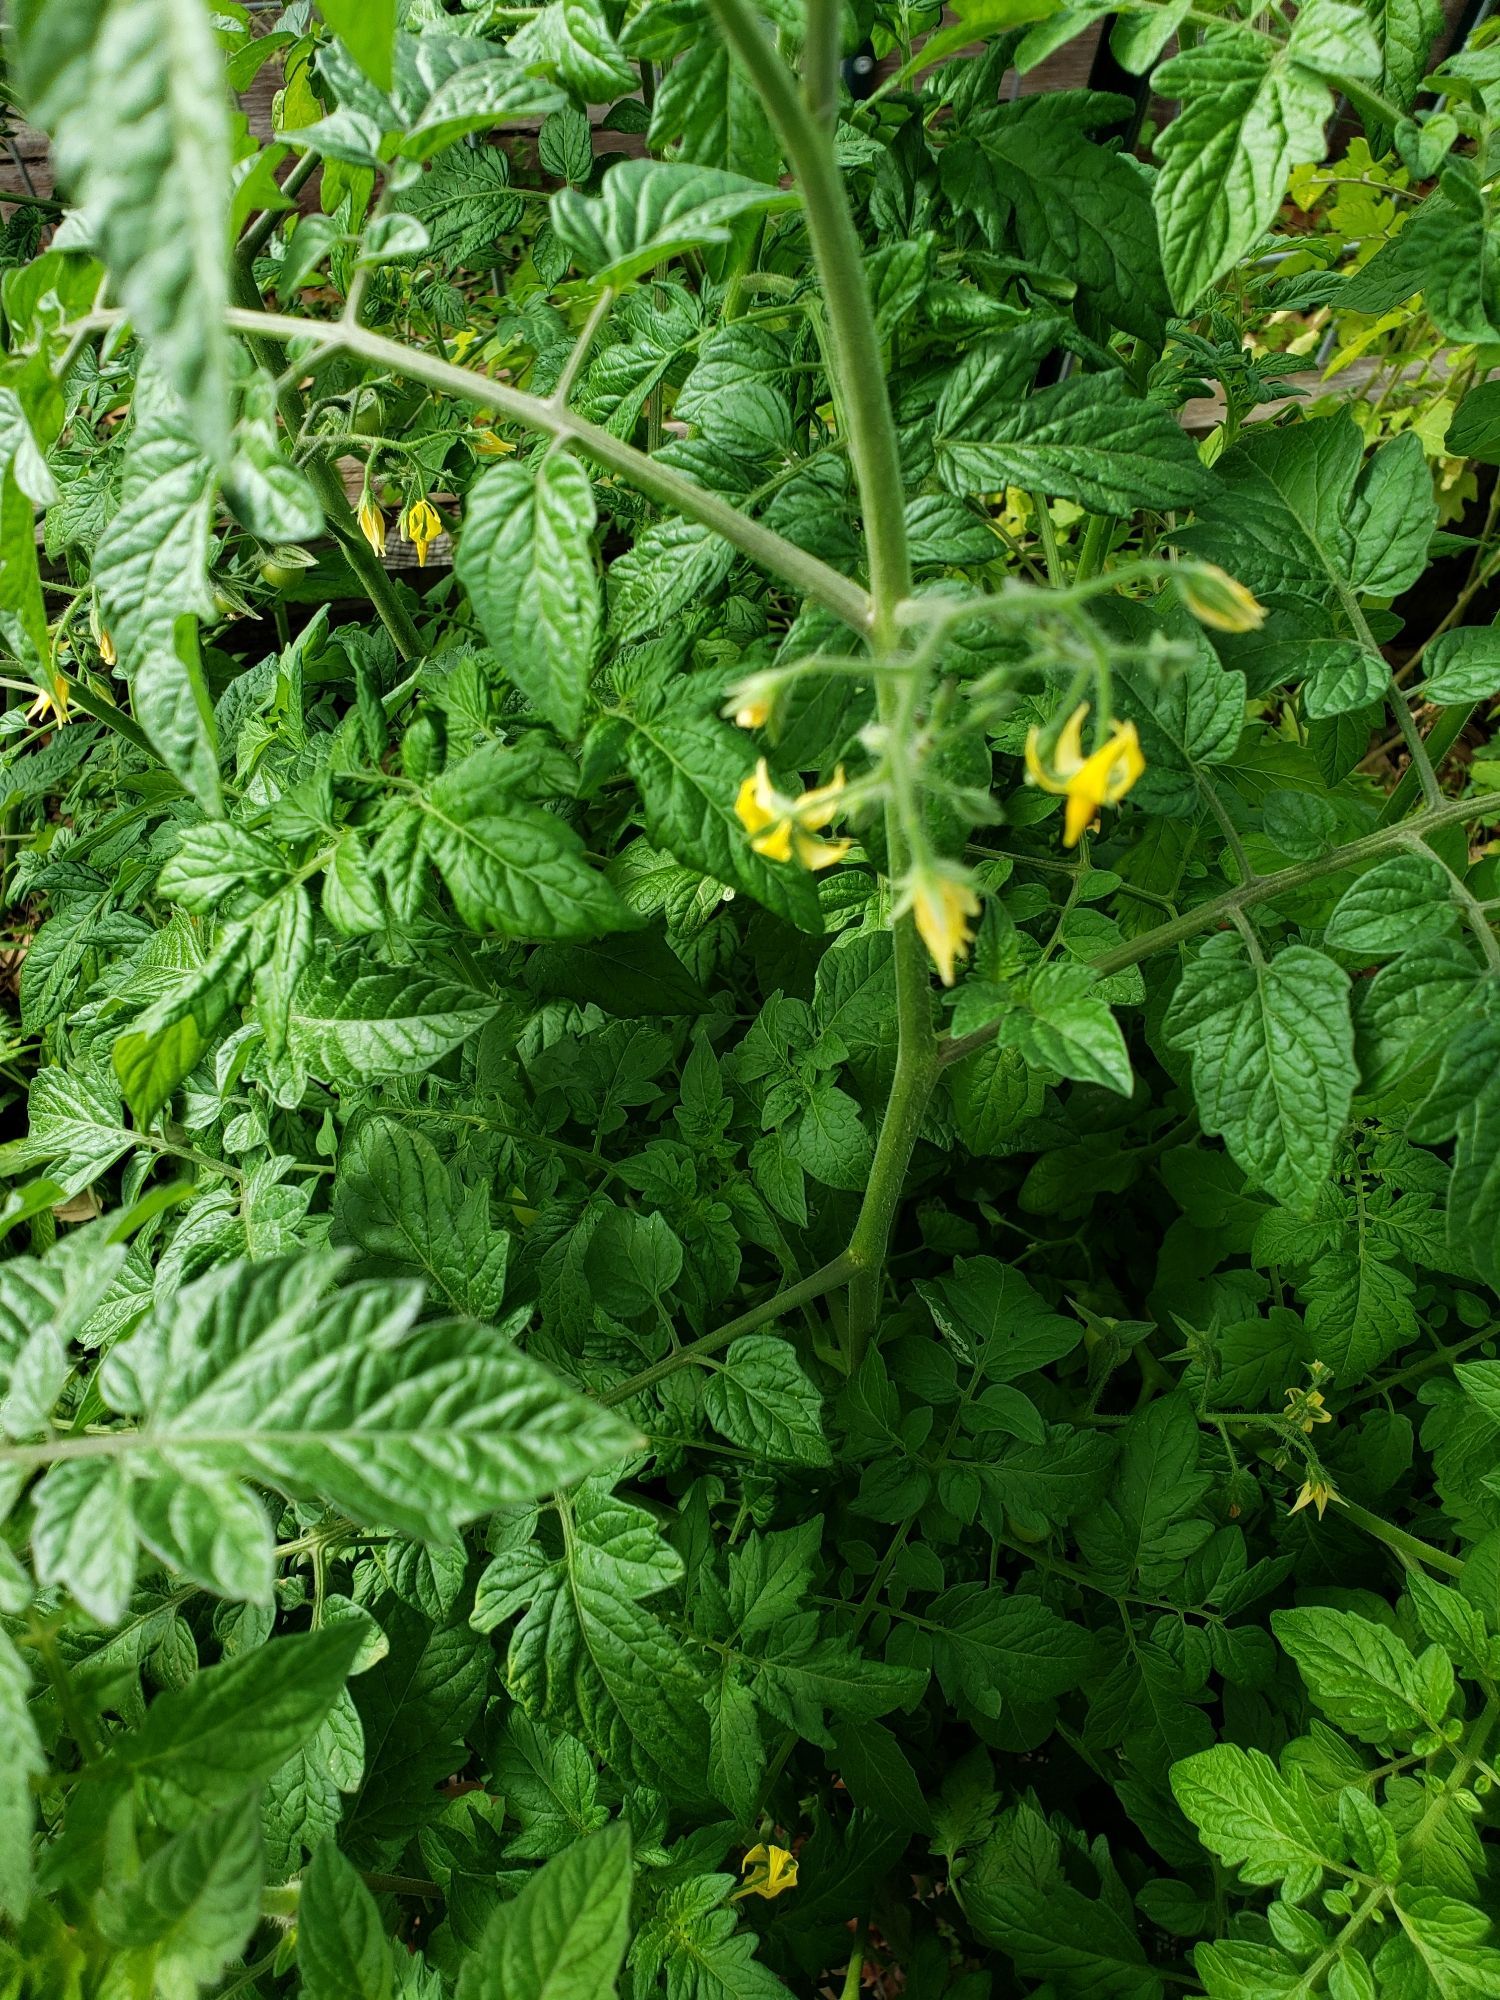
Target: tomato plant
[752,1218]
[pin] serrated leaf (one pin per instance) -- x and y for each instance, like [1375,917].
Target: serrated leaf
[151,573]
[564,1936]
[1273,1063]
[526,559]
[647,211]
[1254,1819]
[134,95]
[760,1398]
[342,1949]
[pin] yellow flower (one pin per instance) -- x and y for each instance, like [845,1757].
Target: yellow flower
[53,703]
[781,828]
[1100,779]
[372,523]
[767,1870]
[1304,1408]
[1314,1493]
[754,714]
[490,445]
[1215,598]
[943,904]
[421,527]
[107,648]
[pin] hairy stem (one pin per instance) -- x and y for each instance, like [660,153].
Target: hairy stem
[661,483]
[828,1279]
[858,369]
[1260,889]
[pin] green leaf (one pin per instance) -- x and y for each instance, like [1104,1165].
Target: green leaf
[367,29]
[993,1648]
[253,1373]
[1408,1010]
[1401,903]
[24,1761]
[1292,512]
[205,1745]
[151,574]
[1273,1062]
[397,1201]
[1362,1676]
[1462,666]
[526,558]
[1249,113]
[1464,1104]
[564,1936]
[1087,439]
[1405,31]
[342,1949]
[76,1124]
[195,1901]
[689,770]
[133,92]
[511,866]
[707,103]
[1083,213]
[1151,1522]
[995,1321]
[466,203]
[1272,1828]
[384,1023]
[171,1037]
[759,1398]
[1018,1898]
[647,211]
[588,1658]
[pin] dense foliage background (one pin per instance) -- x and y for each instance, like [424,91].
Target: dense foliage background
[750,1240]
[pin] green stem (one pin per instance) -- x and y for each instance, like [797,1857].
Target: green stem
[658,482]
[821,51]
[858,369]
[324,479]
[1444,734]
[1409,1547]
[1261,889]
[827,1279]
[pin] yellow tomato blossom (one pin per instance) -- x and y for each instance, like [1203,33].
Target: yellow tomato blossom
[1315,1493]
[768,1870]
[489,444]
[1304,1408]
[107,648]
[753,714]
[372,523]
[421,527]
[53,703]
[1216,598]
[784,829]
[1087,782]
[944,906]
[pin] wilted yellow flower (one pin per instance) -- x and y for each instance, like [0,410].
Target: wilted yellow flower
[372,523]
[943,905]
[421,527]
[1087,782]
[489,444]
[1215,598]
[1314,1493]
[781,828]
[768,1870]
[48,704]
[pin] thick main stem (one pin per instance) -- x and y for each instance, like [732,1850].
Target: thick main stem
[858,368]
